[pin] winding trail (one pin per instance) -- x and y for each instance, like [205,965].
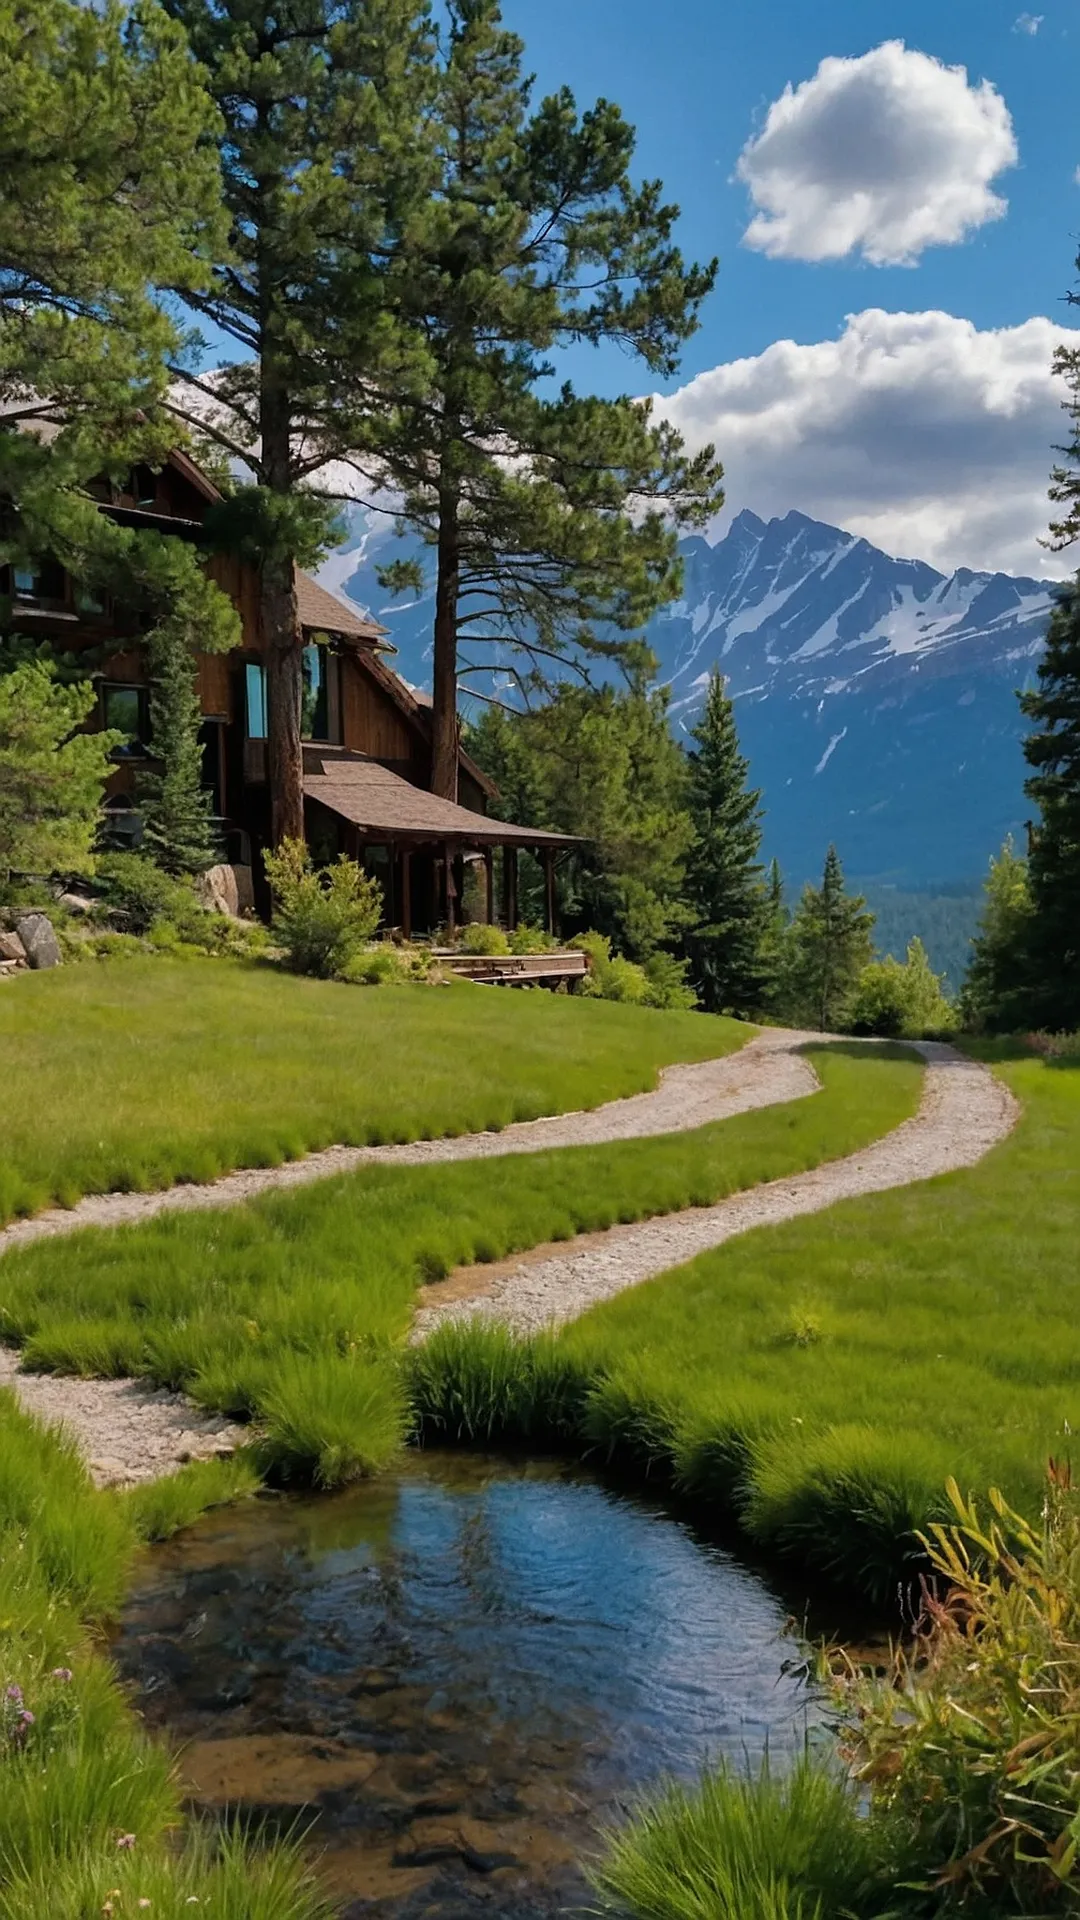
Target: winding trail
[131,1433]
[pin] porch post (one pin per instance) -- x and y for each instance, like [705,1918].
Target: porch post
[448,864]
[406,892]
[549,889]
[390,903]
[489,886]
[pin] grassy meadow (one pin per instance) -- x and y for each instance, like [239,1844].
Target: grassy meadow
[139,1073]
[294,1306]
[819,1381]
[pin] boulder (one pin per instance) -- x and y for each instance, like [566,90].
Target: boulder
[227,890]
[35,930]
[11,948]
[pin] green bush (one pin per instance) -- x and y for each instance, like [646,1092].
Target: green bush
[895,1000]
[969,1745]
[320,918]
[526,939]
[134,888]
[480,938]
[661,982]
[788,1848]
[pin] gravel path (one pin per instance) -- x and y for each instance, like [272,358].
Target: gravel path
[129,1432]
[963,1113]
[762,1074]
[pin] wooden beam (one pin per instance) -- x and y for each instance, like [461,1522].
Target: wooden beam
[489,886]
[390,903]
[549,889]
[448,869]
[406,892]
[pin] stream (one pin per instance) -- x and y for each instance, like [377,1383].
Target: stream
[456,1675]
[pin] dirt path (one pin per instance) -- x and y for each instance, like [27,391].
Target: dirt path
[129,1432]
[764,1073]
[963,1113]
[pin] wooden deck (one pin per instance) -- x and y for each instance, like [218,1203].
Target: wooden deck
[515,969]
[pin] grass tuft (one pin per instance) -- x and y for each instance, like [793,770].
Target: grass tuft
[329,1419]
[792,1848]
[159,1508]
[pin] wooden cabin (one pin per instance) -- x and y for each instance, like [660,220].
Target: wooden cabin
[367,735]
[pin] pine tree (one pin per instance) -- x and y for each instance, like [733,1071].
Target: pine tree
[176,811]
[830,942]
[553,518]
[325,159]
[996,991]
[729,908]
[52,775]
[1052,750]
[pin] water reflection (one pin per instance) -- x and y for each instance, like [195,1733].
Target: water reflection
[459,1672]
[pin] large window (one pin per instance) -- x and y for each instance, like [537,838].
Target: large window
[315,704]
[42,584]
[255,699]
[126,710]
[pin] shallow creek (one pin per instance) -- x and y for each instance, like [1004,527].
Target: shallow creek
[460,1673]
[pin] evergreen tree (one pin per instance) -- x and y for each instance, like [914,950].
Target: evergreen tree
[1052,750]
[829,943]
[601,763]
[52,775]
[996,993]
[324,157]
[728,907]
[176,811]
[553,518]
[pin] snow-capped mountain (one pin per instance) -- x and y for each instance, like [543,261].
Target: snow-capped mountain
[876,698]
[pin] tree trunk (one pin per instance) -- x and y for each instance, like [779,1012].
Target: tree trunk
[283,640]
[444,720]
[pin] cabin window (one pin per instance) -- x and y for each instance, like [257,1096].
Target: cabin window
[144,486]
[42,584]
[255,701]
[315,703]
[126,710]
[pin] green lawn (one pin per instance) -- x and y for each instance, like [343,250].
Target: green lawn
[294,1305]
[137,1074]
[826,1376]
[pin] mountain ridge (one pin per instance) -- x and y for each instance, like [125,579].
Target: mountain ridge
[875,696]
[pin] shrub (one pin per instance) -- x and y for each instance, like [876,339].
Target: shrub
[320,918]
[373,967]
[970,1744]
[480,938]
[526,939]
[661,982]
[901,1001]
[666,984]
[140,893]
[794,1848]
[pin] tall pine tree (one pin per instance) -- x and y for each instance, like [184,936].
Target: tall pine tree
[175,807]
[727,939]
[1052,750]
[325,161]
[830,941]
[553,518]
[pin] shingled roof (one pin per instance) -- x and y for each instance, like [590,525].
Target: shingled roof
[384,805]
[322,612]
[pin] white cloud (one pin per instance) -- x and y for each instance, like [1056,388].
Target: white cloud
[928,436]
[1028,23]
[883,155]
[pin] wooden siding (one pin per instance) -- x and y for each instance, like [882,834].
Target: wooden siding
[215,686]
[241,582]
[372,723]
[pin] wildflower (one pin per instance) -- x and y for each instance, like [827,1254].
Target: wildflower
[125,1841]
[61,1673]
[108,1909]
[23,1723]
[14,1693]
[144,1902]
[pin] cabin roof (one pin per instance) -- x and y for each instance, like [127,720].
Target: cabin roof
[373,797]
[322,612]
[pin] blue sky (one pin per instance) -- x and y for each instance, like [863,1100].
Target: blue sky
[971,413]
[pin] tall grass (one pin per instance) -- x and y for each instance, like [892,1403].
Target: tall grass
[789,1848]
[292,1308]
[817,1383]
[89,1807]
[164,1071]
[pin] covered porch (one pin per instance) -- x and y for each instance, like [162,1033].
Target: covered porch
[423,849]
